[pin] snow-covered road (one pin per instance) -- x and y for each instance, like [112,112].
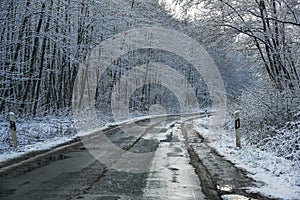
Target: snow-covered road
[172,177]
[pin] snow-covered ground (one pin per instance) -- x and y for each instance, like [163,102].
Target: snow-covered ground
[47,132]
[34,134]
[42,134]
[281,177]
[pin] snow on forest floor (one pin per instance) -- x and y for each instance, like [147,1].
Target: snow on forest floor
[281,177]
[34,134]
[42,134]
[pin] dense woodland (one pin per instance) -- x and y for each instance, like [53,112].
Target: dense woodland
[267,33]
[254,43]
[268,27]
[44,42]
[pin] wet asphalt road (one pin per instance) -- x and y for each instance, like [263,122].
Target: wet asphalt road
[163,173]
[134,161]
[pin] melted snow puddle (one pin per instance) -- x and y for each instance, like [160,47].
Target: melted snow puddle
[172,177]
[234,197]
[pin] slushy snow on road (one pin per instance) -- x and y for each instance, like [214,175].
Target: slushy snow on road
[281,177]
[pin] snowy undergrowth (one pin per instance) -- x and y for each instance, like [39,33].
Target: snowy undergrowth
[34,134]
[271,120]
[113,17]
[281,177]
[44,133]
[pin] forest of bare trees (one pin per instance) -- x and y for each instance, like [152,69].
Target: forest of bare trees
[255,45]
[267,33]
[42,43]
[270,31]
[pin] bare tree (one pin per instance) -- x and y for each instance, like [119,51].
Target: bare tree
[42,44]
[272,25]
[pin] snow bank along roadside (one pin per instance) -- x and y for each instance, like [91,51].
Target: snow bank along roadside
[281,177]
[46,133]
[43,134]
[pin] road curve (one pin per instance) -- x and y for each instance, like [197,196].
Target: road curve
[73,173]
[151,159]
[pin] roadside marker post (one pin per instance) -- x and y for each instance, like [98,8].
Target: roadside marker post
[12,119]
[237,129]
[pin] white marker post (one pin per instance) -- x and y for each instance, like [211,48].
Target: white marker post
[237,129]
[12,119]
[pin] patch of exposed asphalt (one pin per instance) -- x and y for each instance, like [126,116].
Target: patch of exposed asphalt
[67,185]
[91,176]
[40,161]
[218,176]
[95,180]
[114,184]
[37,159]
